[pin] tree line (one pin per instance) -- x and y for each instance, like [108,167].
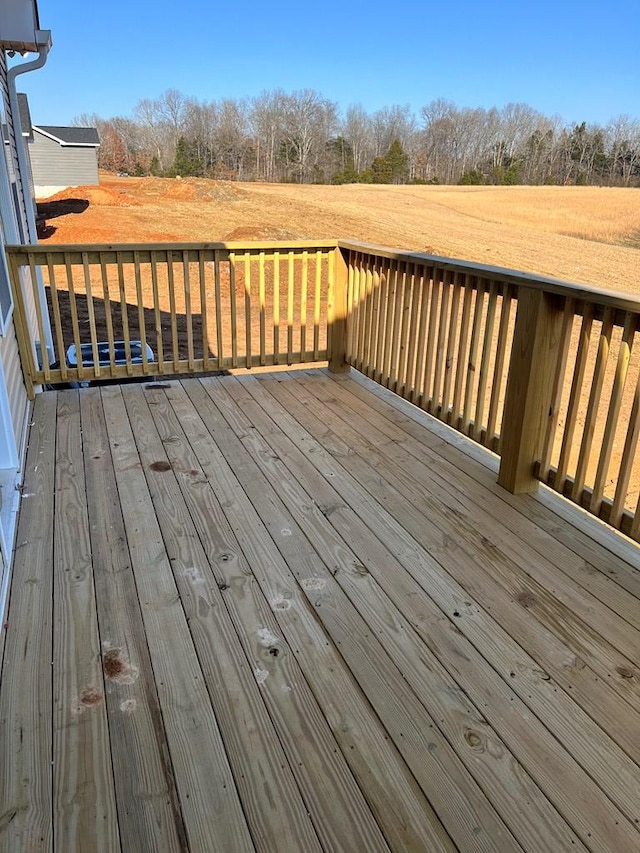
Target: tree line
[302,137]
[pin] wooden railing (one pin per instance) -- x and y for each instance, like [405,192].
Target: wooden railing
[542,372]
[155,310]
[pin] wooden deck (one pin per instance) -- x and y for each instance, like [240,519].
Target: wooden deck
[283,613]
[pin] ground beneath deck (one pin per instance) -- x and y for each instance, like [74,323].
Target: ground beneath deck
[286,614]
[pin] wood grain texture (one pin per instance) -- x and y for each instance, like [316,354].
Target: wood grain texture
[148,804]
[213,814]
[84,802]
[257,760]
[26,809]
[612,827]
[534,355]
[339,812]
[407,820]
[317,623]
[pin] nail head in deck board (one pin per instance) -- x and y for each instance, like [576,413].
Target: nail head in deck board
[149,807]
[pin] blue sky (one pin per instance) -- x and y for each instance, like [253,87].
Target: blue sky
[578,60]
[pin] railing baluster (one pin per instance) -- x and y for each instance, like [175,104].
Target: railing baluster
[317,294]
[204,314]
[483,380]
[436,394]
[387,354]
[434,304]
[141,317]
[412,343]
[473,357]
[398,326]
[574,399]
[108,317]
[366,326]
[383,307]
[233,308]
[276,308]
[247,309]
[156,311]
[405,330]
[57,319]
[263,308]
[613,414]
[303,306]
[592,407]
[91,315]
[186,282]
[172,310]
[451,348]
[290,304]
[74,319]
[461,367]
[217,290]
[423,284]
[499,375]
[39,320]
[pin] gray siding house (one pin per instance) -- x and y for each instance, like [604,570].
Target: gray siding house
[62,157]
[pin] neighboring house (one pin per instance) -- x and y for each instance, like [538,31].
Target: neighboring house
[62,157]
[19,33]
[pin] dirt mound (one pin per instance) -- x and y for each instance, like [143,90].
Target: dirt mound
[263,232]
[191,189]
[99,196]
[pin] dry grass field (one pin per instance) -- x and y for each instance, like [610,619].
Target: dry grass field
[582,234]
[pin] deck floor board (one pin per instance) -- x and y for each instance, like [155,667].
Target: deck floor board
[291,612]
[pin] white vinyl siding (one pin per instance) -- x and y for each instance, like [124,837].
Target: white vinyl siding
[9,358]
[16,392]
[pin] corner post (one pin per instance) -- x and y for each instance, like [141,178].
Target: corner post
[337,313]
[25,348]
[536,346]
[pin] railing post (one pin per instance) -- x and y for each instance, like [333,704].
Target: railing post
[337,313]
[25,348]
[536,348]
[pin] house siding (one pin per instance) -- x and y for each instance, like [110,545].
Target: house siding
[17,194]
[20,199]
[16,392]
[9,357]
[58,165]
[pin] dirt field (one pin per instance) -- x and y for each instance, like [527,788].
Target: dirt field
[579,234]
[583,234]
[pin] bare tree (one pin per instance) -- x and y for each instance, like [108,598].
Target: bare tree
[309,121]
[267,119]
